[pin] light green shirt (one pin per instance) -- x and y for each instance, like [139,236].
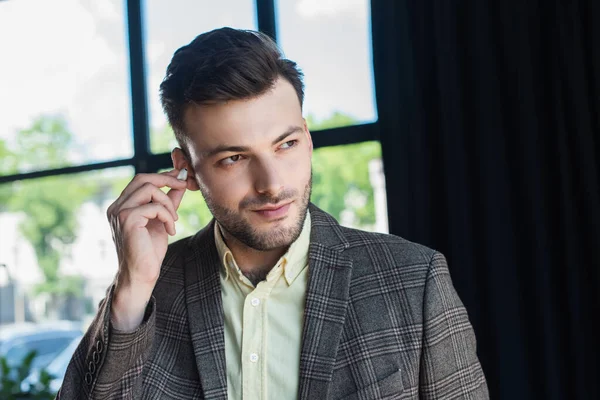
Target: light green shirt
[263,324]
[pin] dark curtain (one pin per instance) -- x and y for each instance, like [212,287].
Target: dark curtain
[489,117]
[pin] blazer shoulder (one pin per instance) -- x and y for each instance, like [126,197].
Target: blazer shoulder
[385,245]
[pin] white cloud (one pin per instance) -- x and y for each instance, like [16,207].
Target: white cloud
[331,8]
[66,57]
[106,10]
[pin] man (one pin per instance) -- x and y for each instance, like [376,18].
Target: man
[273,299]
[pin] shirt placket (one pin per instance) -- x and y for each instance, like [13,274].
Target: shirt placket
[253,343]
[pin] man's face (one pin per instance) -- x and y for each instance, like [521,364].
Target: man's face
[251,160]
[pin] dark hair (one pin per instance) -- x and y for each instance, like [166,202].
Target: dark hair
[221,65]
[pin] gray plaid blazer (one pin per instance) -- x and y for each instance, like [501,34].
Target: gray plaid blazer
[382,321]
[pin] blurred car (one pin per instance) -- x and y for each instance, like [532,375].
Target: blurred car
[57,368]
[48,340]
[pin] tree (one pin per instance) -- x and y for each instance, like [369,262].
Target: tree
[335,120]
[7,159]
[13,380]
[47,143]
[341,174]
[162,140]
[49,206]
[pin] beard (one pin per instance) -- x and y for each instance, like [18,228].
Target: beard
[241,229]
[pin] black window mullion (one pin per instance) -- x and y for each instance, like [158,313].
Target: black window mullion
[345,135]
[265,14]
[139,100]
[66,170]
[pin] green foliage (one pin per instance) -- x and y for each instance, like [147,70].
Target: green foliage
[8,160]
[162,140]
[45,144]
[193,215]
[12,377]
[336,120]
[49,206]
[64,285]
[342,172]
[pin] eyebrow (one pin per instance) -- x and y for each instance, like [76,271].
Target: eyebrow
[290,131]
[241,149]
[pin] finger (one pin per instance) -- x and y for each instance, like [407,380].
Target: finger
[146,194]
[176,195]
[110,209]
[168,179]
[139,217]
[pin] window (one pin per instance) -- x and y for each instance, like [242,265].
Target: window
[64,83]
[331,42]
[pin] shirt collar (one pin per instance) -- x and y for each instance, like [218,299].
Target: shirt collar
[292,262]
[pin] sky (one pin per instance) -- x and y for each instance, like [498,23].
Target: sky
[69,58]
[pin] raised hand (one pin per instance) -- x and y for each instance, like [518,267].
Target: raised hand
[141,220]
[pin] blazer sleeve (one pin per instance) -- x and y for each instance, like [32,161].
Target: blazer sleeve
[449,364]
[108,364]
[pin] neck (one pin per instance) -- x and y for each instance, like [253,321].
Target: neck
[252,262]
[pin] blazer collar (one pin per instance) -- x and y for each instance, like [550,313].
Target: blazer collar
[326,304]
[326,231]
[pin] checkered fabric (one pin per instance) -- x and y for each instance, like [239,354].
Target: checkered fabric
[382,321]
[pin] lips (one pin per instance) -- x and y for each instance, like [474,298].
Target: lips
[274,212]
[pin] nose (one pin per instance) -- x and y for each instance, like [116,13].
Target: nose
[268,178]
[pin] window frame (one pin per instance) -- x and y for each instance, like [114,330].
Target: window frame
[143,160]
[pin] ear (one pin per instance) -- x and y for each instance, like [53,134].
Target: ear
[181,161]
[308,136]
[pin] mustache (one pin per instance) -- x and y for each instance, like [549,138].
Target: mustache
[265,199]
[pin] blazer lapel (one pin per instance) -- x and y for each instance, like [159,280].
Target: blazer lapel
[326,305]
[205,313]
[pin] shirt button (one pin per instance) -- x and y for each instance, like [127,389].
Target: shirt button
[255,302]
[254,357]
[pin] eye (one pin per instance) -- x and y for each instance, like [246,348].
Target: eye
[288,144]
[231,160]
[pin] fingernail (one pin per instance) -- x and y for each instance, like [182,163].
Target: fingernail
[182,175]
